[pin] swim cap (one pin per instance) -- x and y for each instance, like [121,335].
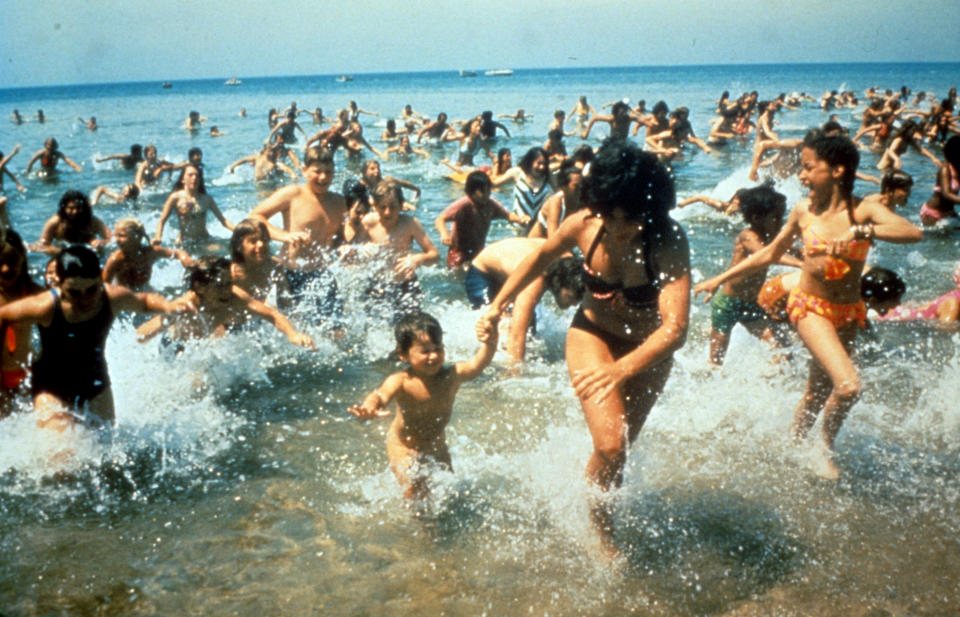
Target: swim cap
[77,260]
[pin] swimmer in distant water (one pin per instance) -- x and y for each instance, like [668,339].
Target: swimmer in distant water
[372,177]
[287,127]
[424,393]
[355,112]
[191,203]
[404,150]
[436,130]
[895,188]
[265,165]
[619,120]
[909,135]
[408,115]
[127,161]
[521,117]
[91,124]
[74,223]
[946,193]
[16,118]
[194,121]
[390,133]
[582,112]
[127,194]
[49,156]
[71,383]
[151,168]
[132,263]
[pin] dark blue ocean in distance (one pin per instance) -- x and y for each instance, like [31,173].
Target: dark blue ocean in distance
[235,483]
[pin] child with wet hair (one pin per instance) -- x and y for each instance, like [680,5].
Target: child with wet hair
[131,265]
[424,393]
[221,307]
[763,209]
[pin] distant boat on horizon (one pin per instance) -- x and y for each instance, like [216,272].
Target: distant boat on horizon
[498,72]
[345,78]
[465,73]
[233,81]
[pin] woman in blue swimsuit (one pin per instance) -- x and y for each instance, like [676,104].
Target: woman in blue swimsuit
[635,312]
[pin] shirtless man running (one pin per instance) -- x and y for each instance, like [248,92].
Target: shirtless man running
[312,217]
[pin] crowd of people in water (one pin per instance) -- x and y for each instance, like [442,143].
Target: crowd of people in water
[593,227]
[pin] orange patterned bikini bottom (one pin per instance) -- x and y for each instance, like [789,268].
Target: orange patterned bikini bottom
[800,303]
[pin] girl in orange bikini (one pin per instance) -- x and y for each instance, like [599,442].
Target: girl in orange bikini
[837,231]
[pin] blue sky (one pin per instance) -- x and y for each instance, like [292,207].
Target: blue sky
[48,42]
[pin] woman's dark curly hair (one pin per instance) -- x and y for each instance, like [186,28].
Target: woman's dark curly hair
[624,176]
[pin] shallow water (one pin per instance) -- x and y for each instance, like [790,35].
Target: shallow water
[235,484]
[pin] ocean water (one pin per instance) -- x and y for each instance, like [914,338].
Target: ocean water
[235,483]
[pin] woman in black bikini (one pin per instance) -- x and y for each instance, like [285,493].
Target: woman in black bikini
[636,309]
[74,319]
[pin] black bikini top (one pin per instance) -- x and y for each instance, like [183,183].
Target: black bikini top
[639,296]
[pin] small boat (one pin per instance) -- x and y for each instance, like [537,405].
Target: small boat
[345,78]
[465,73]
[498,73]
[233,81]
[166,84]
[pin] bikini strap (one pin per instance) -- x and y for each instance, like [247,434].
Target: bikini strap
[593,246]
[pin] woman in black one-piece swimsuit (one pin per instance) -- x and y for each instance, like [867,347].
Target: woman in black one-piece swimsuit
[70,378]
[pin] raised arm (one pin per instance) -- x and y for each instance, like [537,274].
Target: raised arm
[487,334]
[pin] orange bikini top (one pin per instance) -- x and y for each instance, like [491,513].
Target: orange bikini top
[837,268]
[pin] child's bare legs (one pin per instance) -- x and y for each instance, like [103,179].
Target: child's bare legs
[406,462]
[832,371]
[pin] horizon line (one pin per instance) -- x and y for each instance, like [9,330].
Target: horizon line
[449,70]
